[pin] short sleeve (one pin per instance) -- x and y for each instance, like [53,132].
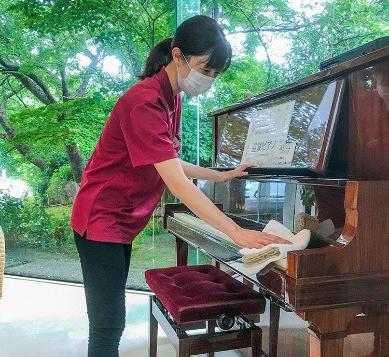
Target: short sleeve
[147,135]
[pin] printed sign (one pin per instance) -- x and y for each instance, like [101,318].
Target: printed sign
[266,139]
[283,155]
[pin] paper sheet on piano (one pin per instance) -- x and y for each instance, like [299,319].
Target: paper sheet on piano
[266,138]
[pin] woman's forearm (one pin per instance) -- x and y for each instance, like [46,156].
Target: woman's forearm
[203,207]
[197,172]
[172,173]
[201,173]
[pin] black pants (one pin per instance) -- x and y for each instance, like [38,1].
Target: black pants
[105,270]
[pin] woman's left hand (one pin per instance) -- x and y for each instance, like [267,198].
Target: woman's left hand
[237,172]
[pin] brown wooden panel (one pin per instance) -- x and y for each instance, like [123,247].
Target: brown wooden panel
[273,281]
[368,149]
[363,247]
[314,293]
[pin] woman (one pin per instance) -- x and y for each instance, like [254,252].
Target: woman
[135,157]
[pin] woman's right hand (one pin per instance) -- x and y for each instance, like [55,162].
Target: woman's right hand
[255,239]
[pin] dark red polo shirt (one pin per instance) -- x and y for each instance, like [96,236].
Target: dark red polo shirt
[120,186]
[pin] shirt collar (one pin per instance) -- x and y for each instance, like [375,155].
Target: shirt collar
[166,87]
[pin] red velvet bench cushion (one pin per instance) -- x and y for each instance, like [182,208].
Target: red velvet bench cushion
[202,292]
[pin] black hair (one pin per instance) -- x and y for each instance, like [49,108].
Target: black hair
[197,36]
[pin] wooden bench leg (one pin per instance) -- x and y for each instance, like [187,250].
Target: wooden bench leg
[210,326]
[256,343]
[273,329]
[183,349]
[153,333]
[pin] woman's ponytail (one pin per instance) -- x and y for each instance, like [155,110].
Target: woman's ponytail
[160,55]
[197,36]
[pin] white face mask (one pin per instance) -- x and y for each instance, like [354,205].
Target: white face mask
[196,83]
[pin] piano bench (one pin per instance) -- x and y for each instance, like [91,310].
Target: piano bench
[196,297]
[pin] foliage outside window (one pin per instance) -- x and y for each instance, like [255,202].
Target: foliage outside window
[63,65]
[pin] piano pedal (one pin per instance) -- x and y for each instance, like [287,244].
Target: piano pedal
[244,323]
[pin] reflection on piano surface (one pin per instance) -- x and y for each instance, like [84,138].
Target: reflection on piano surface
[337,186]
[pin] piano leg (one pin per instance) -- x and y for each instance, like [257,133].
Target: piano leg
[381,333]
[216,263]
[385,334]
[273,329]
[181,252]
[326,347]
[375,319]
[328,328]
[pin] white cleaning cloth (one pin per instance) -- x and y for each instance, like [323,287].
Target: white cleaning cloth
[254,259]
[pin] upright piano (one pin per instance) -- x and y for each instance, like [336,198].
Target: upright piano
[338,173]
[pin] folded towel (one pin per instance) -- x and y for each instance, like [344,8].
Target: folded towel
[254,259]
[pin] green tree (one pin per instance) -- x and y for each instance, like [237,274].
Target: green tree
[42,47]
[341,26]
[36,70]
[53,107]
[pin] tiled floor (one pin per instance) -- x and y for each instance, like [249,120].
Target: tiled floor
[43,319]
